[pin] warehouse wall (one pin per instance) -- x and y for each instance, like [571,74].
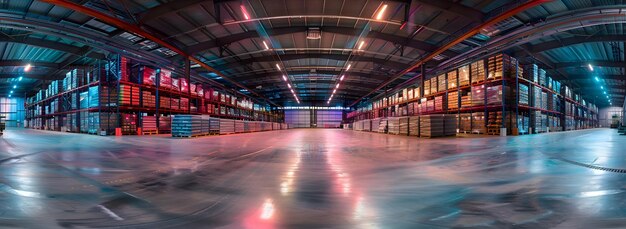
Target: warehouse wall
[13,110]
[606,114]
[313,118]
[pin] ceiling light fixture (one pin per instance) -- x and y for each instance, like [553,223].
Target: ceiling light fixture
[14,86]
[381,12]
[265,44]
[19,79]
[590,67]
[341,79]
[348,68]
[289,85]
[27,67]
[278,66]
[361,45]
[597,79]
[337,86]
[284,78]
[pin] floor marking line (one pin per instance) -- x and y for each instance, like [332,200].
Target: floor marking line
[110,213]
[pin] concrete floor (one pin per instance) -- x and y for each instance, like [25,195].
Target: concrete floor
[312,178]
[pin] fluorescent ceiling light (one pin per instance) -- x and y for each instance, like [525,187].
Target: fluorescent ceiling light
[265,44]
[348,68]
[245,12]
[19,79]
[337,86]
[341,79]
[278,66]
[361,45]
[590,67]
[27,67]
[381,12]
[597,79]
[284,78]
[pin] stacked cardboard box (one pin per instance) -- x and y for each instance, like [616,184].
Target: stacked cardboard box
[439,103]
[531,73]
[227,126]
[414,122]
[537,97]
[431,125]
[368,124]
[450,124]
[464,75]
[478,95]
[149,100]
[404,125]
[382,127]
[542,78]
[129,124]
[189,125]
[427,88]
[466,123]
[393,125]
[129,95]
[452,79]
[239,126]
[148,124]
[433,85]
[523,95]
[441,81]
[497,94]
[466,100]
[499,65]
[165,124]
[478,123]
[477,71]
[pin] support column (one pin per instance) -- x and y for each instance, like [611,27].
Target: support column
[188,77]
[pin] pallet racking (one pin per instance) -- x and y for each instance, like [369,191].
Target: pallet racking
[118,94]
[495,95]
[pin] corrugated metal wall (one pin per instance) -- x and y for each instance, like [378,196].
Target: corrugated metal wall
[13,110]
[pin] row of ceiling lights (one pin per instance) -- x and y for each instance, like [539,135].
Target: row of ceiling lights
[378,16]
[601,86]
[246,16]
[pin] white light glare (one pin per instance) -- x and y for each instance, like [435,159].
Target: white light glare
[381,12]
[590,67]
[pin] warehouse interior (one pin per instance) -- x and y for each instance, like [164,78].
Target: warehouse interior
[312,113]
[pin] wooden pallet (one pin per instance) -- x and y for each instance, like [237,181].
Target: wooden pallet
[149,132]
[191,136]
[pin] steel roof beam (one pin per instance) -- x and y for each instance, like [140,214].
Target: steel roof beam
[355,73]
[584,64]
[591,76]
[349,31]
[139,31]
[505,15]
[48,44]
[455,8]
[288,57]
[560,43]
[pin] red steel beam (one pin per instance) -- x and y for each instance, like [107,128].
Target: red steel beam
[460,39]
[137,30]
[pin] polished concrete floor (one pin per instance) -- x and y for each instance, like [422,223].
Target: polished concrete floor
[313,178]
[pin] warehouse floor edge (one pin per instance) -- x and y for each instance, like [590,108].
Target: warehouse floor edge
[312,178]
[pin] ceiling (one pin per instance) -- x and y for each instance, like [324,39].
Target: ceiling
[313,42]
